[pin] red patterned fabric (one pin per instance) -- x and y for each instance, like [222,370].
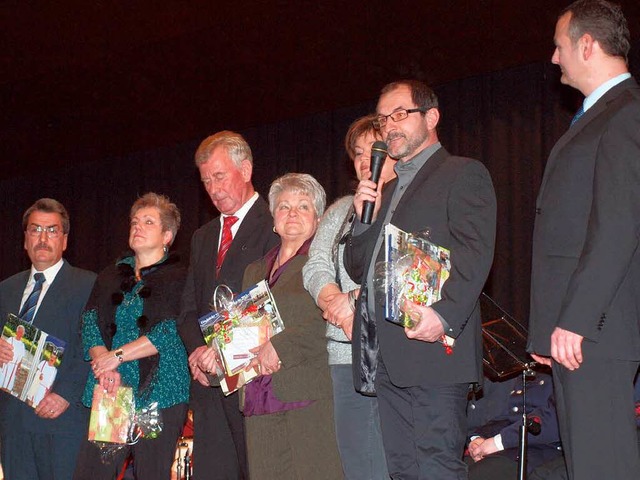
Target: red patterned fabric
[225,243]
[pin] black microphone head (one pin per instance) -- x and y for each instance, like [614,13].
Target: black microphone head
[378,154]
[380,147]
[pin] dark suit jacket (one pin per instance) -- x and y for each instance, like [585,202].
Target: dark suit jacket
[218,420]
[59,314]
[454,198]
[586,260]
[254,238]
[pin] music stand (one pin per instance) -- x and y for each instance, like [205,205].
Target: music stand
[504,344]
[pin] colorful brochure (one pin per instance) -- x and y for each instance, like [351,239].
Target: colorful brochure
[36,359]
[249,321]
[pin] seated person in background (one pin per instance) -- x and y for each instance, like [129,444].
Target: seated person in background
[557,470]
[494,421]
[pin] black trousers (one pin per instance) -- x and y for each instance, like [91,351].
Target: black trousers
[423,429]
[597,419]
[218,435]
[152,458]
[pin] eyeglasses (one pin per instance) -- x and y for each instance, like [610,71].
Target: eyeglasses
[396,116]
[36,230]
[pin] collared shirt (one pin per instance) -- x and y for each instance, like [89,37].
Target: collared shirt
[602,89]
[49,276]
[241,213]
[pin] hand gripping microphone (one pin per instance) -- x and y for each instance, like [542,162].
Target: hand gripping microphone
[378,154]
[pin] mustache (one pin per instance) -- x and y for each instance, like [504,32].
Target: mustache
[43,246]
[393,136]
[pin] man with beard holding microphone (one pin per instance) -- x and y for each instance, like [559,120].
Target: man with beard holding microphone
[422,390]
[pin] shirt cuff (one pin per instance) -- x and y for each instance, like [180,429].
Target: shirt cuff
[498,441]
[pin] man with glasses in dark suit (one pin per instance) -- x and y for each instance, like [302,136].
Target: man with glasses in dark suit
[43,443]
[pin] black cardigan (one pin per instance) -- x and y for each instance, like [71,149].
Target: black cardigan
[161,293]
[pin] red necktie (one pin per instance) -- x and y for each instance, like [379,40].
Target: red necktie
[225,242]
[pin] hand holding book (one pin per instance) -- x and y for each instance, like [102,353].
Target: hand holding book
[238,333]
[410,281]
[266,359]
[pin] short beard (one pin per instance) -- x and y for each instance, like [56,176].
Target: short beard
[409,149]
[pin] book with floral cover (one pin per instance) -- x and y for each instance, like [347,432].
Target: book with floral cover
[249,321]
[415,269]
[37,355]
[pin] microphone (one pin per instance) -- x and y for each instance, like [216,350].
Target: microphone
[378,154]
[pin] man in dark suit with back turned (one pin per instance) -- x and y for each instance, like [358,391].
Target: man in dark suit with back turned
[220,252]
[422,391]
[585,286]
[43,443]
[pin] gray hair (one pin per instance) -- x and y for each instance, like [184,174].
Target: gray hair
[169,213]
[298,183]
[48,205]
[234,143]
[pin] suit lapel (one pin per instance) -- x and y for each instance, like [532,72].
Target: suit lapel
[433,163]
[56,291]
[244,234]
[596,110]
[209,258]
[14,300]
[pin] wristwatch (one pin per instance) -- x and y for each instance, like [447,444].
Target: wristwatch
[119,355]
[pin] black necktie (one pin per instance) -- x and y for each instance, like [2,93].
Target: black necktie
[29,308]
[578,114]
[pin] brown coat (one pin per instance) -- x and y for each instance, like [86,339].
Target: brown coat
[304,437]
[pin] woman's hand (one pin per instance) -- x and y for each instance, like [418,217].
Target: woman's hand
[338,312]
[266,359]
[368,191]
[110,381]
[104,362]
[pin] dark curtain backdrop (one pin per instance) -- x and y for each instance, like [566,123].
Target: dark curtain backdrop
[509,120]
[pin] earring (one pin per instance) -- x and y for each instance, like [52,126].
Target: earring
[274,229]
[165,248]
